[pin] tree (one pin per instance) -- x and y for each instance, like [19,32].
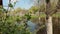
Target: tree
[50,13]
[58,4]
[33,9]
[48,18]
[50,10]
[9,24]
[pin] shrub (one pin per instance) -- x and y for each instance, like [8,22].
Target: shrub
[9,25]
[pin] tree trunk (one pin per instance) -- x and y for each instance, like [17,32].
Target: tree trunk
[48,18]
[49,25]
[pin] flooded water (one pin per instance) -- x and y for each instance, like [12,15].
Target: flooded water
[32,26]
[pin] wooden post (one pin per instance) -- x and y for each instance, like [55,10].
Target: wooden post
[1,3]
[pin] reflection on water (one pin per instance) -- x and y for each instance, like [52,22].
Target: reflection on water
[31,26]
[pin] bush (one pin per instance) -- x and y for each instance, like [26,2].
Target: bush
[9,25]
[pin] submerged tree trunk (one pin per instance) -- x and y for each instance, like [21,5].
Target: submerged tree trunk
[48,18]
[49,25]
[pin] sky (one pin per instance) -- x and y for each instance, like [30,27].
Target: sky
[24,4]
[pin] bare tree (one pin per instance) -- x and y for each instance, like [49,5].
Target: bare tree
[48,18]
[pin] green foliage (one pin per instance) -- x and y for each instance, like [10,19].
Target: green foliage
[42,8]
[9,24]
[17,10]
[33,9]
[28,16]
[56,15]
[10,5]
[42,15]
[34,17]
[12,24]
